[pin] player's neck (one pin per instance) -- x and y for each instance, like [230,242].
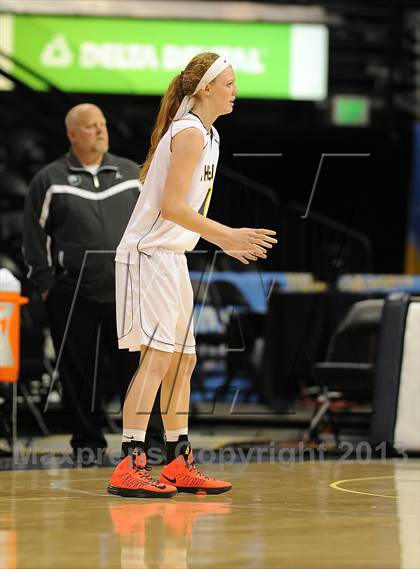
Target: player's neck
[205,116]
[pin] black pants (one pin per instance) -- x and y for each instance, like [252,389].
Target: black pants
[90,365]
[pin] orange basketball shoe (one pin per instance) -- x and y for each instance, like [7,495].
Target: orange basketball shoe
[131,479]
[185,476]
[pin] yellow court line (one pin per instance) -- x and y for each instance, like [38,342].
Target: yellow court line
[335,486]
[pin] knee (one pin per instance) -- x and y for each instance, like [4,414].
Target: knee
[190,363]
[157,362]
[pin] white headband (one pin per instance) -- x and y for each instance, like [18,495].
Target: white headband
[213,71]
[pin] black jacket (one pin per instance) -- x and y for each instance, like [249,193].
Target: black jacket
[69,212]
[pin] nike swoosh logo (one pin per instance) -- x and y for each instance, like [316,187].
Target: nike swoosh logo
[130,438]
[171,480]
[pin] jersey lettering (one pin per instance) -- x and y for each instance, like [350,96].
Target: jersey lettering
[208,173]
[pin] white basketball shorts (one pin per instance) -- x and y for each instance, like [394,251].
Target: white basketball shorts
[155,303]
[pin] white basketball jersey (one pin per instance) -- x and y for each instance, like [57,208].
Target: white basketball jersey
[147,228]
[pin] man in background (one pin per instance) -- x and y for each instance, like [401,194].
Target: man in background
[75,214]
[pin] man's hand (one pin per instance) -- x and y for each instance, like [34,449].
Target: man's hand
[44,294]
[247,244]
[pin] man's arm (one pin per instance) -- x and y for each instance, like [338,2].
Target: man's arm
[244,244]
[35,238]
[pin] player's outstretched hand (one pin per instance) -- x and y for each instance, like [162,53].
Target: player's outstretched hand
[247,244]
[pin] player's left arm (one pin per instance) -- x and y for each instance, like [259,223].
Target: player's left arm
[187,147]
[243,243]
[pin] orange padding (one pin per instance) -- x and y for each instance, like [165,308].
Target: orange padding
[10,303]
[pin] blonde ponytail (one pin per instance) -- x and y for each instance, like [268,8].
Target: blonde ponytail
[168,107]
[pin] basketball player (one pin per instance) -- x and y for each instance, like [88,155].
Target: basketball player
[154,293]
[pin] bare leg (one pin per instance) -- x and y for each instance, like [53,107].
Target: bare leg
[142,391]
[181,470]
[175,393]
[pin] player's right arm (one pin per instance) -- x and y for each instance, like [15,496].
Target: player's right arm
[245,244]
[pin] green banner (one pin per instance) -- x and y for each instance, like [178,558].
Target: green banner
[103,55]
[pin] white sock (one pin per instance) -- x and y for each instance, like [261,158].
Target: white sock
[133,435]
[172,436]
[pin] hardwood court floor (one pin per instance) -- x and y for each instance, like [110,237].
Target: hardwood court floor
[307,515]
